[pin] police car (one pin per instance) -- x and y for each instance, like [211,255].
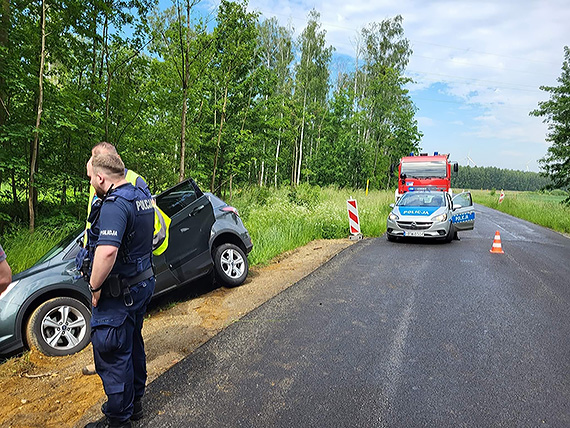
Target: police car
[48,306]
[427,214]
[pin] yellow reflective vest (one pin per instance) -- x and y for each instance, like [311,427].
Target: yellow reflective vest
[161,220]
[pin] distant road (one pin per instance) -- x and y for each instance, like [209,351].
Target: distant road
[409,334]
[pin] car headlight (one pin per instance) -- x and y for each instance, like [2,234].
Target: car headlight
[441,218]
[393,217]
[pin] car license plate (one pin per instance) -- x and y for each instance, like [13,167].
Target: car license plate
[414,233]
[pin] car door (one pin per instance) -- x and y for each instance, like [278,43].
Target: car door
[188,253]
[463,216]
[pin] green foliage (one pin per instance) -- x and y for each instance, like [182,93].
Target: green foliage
[542,208]
[24,249]
[238,104]
[494,178]
[556,163]
[304,195]
[281,223]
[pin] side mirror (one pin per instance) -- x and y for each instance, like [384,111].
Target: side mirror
[455,167]
[457,206]
[392,205]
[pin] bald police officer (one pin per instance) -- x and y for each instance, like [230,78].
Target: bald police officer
[121,283]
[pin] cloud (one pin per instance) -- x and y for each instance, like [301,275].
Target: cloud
[424,122]
[485,56]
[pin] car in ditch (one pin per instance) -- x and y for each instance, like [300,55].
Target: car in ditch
[48,305]
[430,214]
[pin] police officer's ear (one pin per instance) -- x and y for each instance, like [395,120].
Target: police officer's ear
[90,167]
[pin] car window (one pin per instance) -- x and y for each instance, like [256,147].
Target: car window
[463,199]
[60,246]
[177,198]
[422,200]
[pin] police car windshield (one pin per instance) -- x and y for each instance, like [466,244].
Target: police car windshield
[414,199]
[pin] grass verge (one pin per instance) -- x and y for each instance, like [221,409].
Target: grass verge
[544,209]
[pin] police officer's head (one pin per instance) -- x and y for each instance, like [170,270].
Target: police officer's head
[98,149]
[106,169]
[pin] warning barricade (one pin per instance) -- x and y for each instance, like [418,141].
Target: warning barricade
[353,220]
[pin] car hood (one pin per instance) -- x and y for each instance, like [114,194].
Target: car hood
[33,270]
[419,211]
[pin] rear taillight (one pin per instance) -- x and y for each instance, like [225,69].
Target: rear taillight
[229,209]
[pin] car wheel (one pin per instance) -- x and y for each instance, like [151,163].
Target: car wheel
[230,265]
[59,327]
[450,234]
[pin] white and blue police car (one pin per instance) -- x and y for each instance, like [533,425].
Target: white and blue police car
[428,214]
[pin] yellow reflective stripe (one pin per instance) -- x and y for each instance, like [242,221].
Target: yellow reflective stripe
[162,221]
[131,177]
[87,224]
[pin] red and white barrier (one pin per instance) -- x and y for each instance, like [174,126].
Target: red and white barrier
[353,220]
[501,196]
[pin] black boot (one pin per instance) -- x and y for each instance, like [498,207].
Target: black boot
[109,423]
[137,410]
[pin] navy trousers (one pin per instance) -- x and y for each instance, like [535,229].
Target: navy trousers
[118,349]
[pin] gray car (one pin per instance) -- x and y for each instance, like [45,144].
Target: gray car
[48,306]
[433,215]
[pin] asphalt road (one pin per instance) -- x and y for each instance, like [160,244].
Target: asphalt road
[394,335]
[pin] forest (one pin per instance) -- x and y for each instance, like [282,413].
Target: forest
[228,98]
[233,102]
[496,178]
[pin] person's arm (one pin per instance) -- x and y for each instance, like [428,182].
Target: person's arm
[112,223]
[105,256]
[5,275]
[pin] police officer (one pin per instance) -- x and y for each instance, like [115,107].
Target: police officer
[161,221]
[121,283]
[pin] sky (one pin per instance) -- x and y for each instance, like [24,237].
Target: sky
[477,67]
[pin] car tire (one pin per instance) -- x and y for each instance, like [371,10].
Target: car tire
[230,265]
[60,326]
[450,234]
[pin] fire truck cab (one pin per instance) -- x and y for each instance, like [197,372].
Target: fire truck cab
[425,172]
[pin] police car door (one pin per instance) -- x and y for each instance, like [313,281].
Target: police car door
[463,216]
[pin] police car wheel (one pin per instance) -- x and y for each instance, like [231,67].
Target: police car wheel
[450,234]
[230,265]
[59,327]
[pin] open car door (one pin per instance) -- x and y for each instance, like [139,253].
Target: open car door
[188,253]
[463,217]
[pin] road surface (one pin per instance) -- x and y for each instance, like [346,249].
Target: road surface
[407,334]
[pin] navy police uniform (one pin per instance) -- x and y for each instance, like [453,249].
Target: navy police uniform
[126,221]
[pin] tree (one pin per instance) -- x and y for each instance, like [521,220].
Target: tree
[235,39]
[556,163]
[311,87]
[32,195]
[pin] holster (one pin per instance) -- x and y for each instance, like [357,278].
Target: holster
[116,286]
[113,286]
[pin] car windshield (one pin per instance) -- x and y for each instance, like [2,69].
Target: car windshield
[60,246]
[412,199]
[419,169]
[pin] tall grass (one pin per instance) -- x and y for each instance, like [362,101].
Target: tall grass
[283,219]
[544,209]
[278,220]
[24,249]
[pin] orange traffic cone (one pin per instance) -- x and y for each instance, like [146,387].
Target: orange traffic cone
[497,244]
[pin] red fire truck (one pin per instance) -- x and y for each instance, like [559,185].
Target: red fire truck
[425,172]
